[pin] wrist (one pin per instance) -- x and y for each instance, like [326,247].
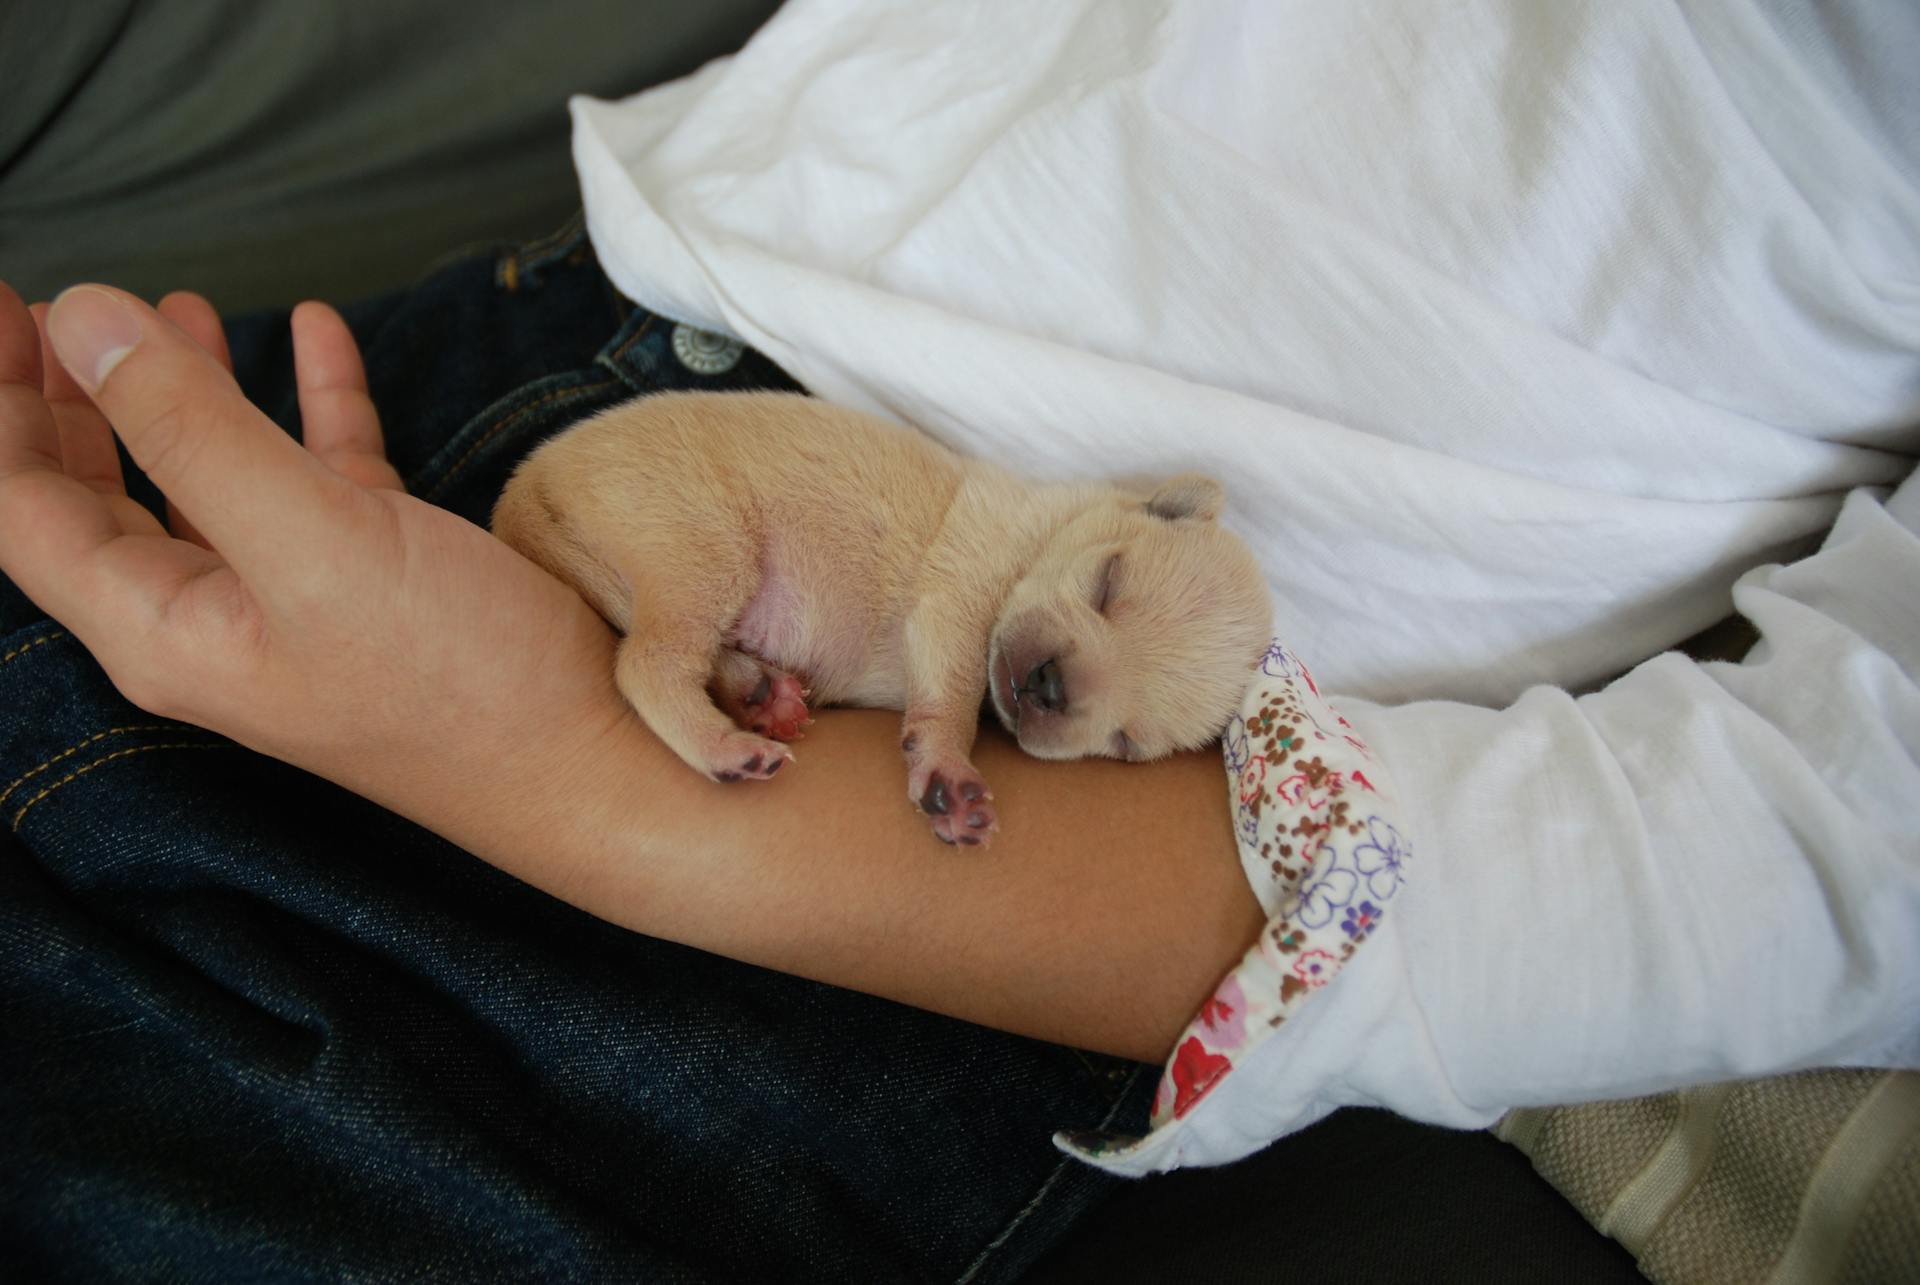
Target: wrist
[537,785]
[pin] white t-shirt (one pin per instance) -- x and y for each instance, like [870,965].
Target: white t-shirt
[1518,333]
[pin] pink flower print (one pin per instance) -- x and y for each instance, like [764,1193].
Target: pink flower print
[1316,967]
[1299,791]
[1196,1069]
[1253,779]
[1222,1022]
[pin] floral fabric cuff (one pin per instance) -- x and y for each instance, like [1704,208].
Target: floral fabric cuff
[1315,822]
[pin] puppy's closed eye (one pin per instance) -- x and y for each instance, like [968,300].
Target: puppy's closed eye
[1103,586]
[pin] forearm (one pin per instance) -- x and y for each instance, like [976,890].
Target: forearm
[1101,916]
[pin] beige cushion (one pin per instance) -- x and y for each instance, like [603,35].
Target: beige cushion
[1802,1178]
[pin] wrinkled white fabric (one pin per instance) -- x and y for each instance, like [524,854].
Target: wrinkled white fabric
[1518,332]
[1701,873]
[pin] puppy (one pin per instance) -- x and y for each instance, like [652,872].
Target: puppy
[761,551]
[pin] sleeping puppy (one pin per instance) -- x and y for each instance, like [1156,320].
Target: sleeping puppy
[761,551]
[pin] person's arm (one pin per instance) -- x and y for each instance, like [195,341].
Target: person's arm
[1101,915]
[318,614]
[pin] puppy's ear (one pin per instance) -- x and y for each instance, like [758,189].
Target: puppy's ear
[1190,495]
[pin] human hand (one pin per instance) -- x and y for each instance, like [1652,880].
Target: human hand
[303,604]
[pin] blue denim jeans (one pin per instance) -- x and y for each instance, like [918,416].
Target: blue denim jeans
[253,1027]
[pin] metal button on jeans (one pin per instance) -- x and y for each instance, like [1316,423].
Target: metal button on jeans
[703,352]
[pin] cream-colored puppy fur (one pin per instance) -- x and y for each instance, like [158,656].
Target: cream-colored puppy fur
[760,550]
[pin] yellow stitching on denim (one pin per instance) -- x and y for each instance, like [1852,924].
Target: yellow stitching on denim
[634,338]
[75,749]
[108,758]
[58,633]
[542,246]
[488,436]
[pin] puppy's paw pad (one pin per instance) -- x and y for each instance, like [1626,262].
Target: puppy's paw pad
[760,698]
[960,806]
[742,757]
[970,828]
[777,707]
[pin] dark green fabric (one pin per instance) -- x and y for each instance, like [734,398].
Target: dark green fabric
[266,152]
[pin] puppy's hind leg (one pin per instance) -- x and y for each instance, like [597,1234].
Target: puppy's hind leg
[663,675]
[673,640]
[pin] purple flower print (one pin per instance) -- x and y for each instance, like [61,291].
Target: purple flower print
[1234,745]
[1327,888]
[1360,919]
[1381,858]
[1277,663]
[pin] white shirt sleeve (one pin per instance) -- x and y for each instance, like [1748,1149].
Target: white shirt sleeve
[1702,872]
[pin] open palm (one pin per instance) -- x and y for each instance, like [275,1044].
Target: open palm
[296,599]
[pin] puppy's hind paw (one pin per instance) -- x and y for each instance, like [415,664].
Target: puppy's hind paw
[759,697]
[741,756]
[778,707]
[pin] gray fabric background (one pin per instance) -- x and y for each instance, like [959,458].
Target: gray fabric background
[264,151]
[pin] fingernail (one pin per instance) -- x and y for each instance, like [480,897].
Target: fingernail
[92,332]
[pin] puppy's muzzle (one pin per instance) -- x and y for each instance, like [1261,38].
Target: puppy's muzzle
[1045,687]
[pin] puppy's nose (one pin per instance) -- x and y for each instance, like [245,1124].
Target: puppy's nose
[1044,684]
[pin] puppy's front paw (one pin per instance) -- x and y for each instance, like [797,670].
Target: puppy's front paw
[742,756]
[955,799]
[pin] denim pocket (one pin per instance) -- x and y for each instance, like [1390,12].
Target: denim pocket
[468,473]
[646,354]
[525,267]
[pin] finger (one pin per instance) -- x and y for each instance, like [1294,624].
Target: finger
[33,434]
[198,318]
[182,528]
[53,528]
[86,443]
[29,439]
[262,500]
[87,451]
[337,416]
[193,314]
